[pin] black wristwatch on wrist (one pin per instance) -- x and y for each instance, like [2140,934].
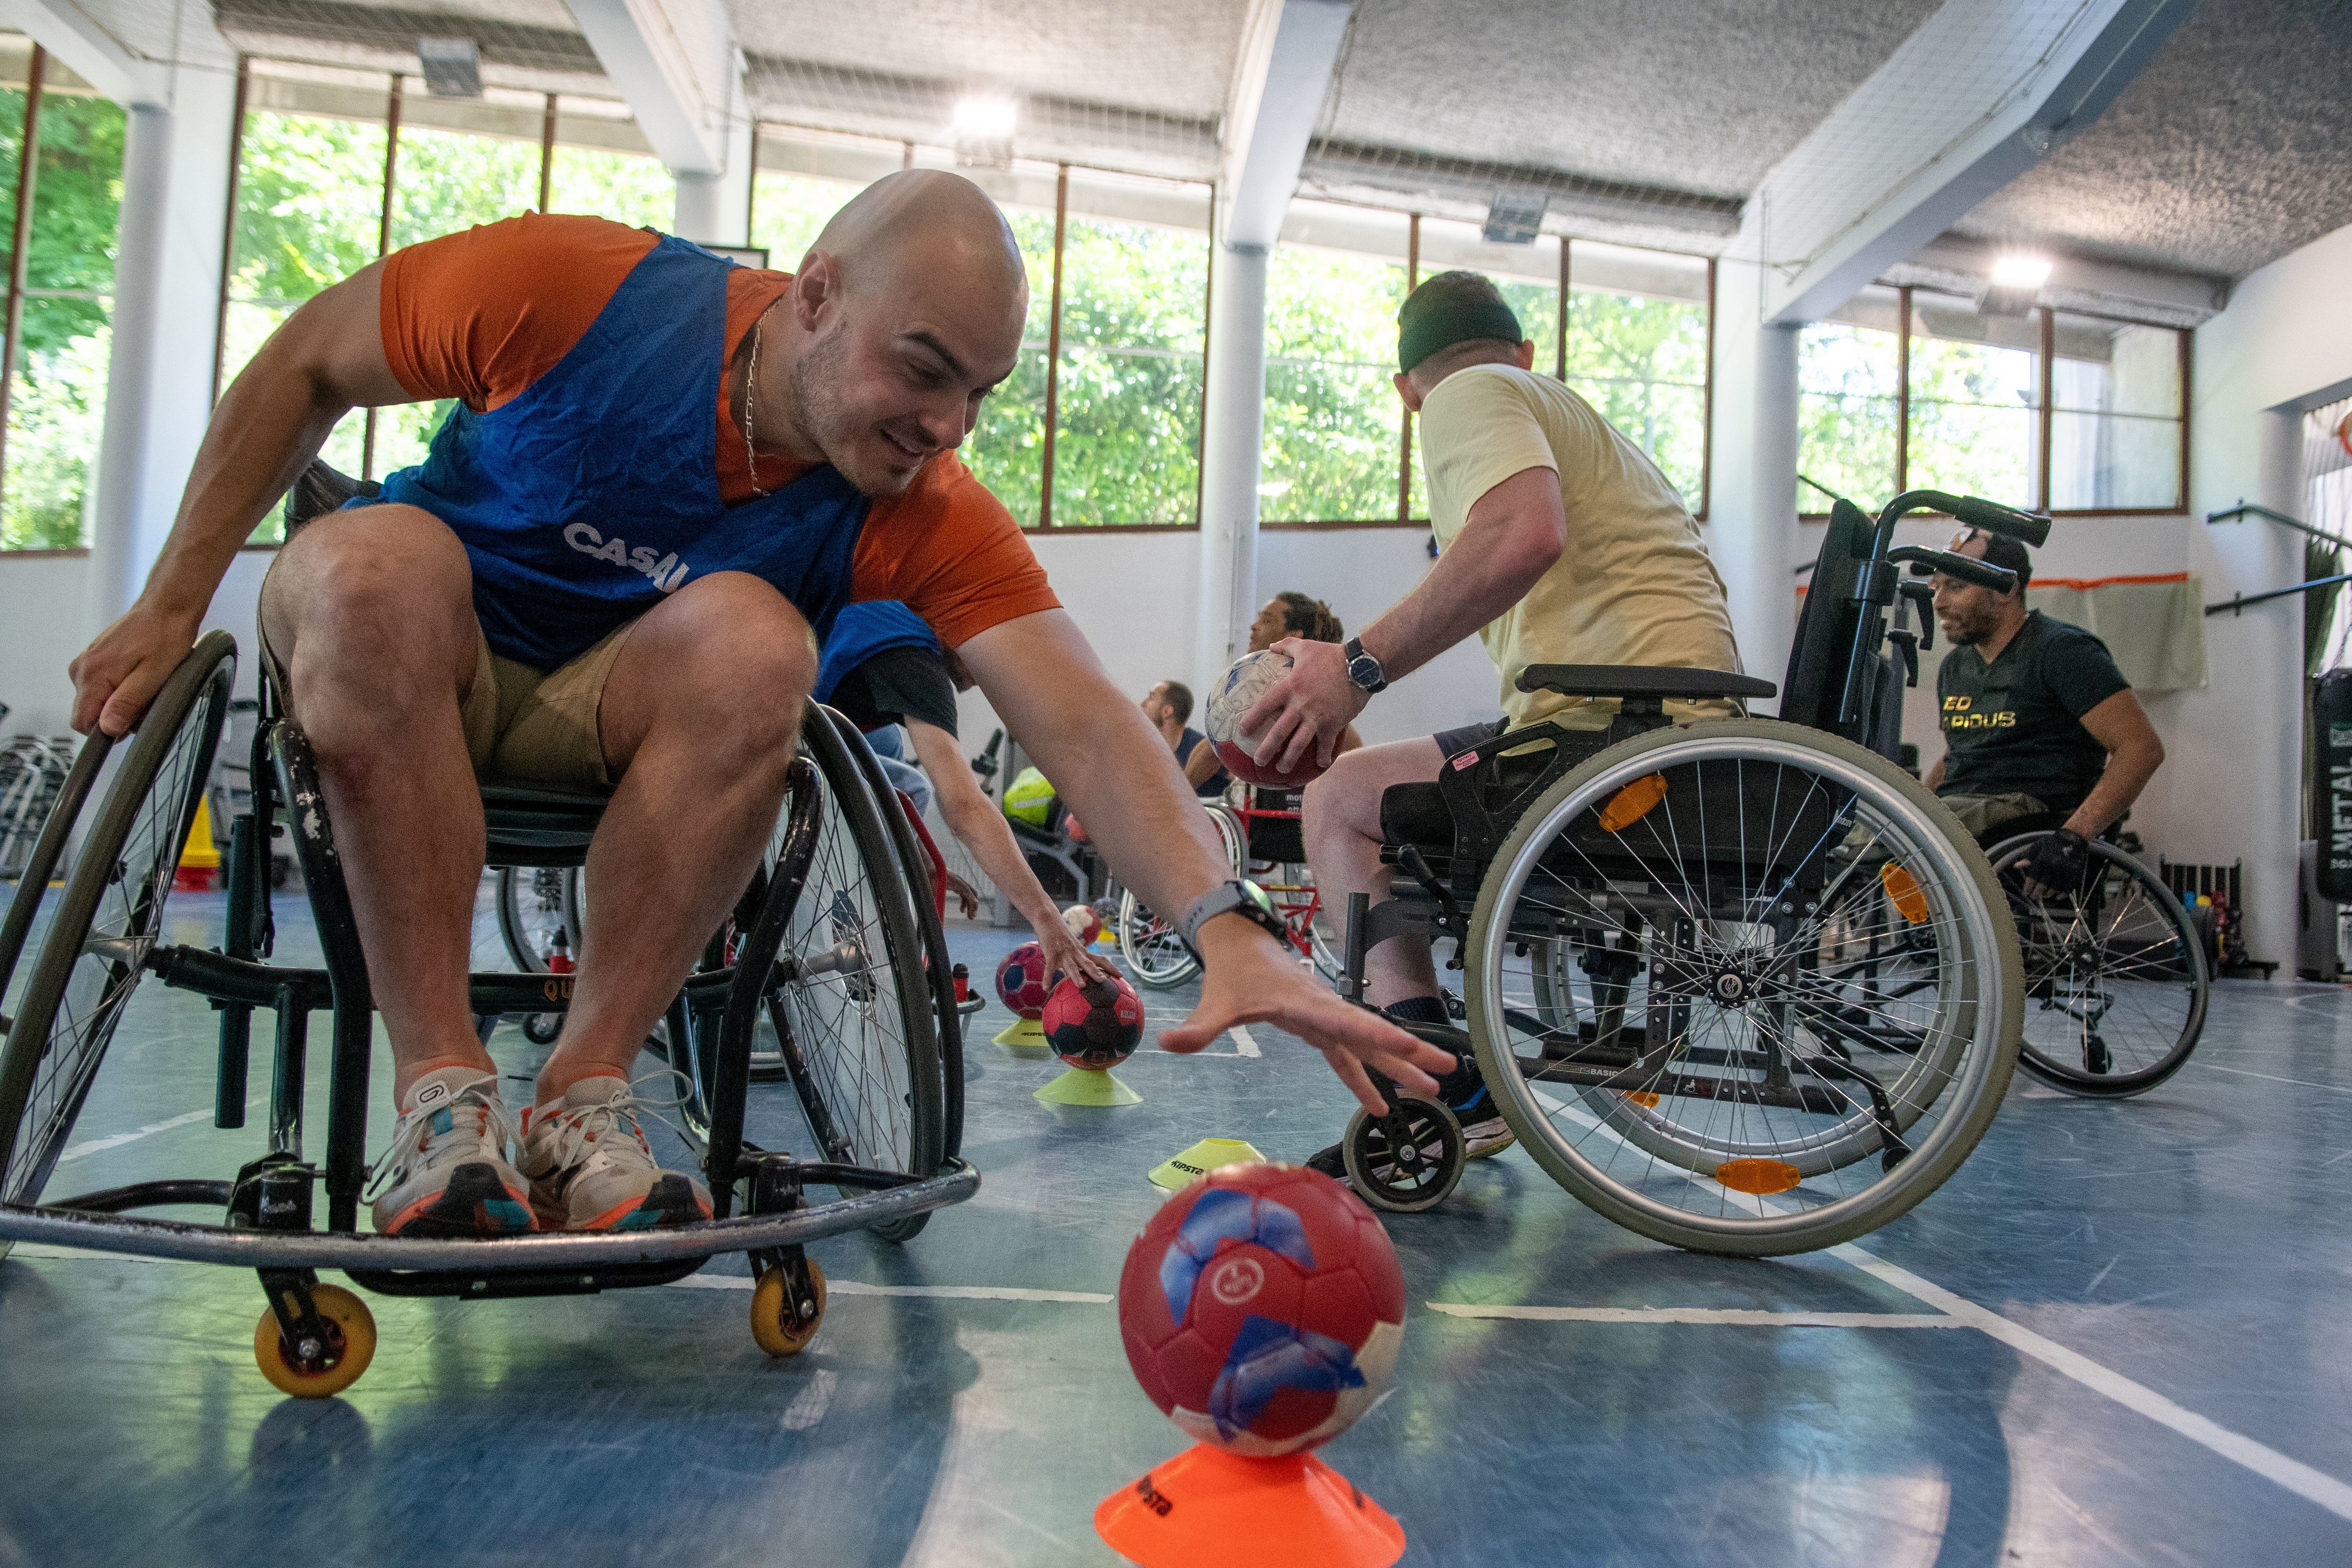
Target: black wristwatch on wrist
[1234,898]
[1363,669]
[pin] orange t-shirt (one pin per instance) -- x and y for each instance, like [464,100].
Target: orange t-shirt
[478,316]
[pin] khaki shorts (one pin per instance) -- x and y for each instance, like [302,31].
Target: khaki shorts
[524,726]
[1981,813]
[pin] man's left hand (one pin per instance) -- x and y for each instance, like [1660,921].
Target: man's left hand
[1308,711]
[1250,978]
[2059,864]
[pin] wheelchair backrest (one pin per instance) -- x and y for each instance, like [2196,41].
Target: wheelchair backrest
[1828,624]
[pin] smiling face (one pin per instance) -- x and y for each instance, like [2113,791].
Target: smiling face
[907,313]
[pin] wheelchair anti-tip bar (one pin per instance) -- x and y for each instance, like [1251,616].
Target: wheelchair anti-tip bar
[345,1250]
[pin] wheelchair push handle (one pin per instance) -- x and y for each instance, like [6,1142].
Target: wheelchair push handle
[2025,527]
[1967,568]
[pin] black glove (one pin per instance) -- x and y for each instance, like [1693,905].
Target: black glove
[2059,863]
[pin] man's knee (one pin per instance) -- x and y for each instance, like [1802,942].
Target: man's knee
[739,656]
[391,582]
[1348,794]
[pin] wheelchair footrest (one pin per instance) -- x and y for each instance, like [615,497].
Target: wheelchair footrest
[477,1284]
[573,1253]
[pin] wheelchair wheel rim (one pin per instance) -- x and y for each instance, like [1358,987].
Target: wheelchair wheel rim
[1693,1168]
[2118,970]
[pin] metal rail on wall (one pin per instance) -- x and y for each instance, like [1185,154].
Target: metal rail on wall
[2238,602]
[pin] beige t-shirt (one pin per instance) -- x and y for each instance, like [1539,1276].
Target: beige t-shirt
[1634,585]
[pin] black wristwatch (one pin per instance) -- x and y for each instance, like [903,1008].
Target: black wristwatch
[1234,898]
[1363,668]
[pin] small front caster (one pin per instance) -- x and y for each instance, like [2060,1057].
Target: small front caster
[787,1312]
[332,1345]
[1407,1159]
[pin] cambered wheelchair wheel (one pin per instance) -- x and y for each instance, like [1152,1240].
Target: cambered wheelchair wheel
[2115,980]
[852,1013]
[537,912]
[1156,955]
[109,916]
[1743,987]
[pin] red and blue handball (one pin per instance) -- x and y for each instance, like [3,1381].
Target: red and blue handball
[1262,1309]
[1022,983]
[1093,1024]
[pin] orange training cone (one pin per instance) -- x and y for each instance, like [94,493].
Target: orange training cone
[1209,1509]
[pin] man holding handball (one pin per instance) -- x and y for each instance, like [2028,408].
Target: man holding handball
[1560,543]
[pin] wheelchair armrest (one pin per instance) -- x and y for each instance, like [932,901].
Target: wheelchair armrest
[1639,681]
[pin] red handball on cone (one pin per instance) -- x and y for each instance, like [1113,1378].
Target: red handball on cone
[1022,983]
[1262,1309]
[1246,680]
[1093,1024]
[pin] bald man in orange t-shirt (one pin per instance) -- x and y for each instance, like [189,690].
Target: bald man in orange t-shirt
[663,472]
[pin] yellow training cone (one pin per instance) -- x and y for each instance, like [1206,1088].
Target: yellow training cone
[1023,1035]
[1207,1155]
[1088,1086]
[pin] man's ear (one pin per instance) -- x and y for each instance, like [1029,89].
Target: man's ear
[816,285]
[1526,360]
[1408,391]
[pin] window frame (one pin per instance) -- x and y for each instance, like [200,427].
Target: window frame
[2045,377]
[1561,333]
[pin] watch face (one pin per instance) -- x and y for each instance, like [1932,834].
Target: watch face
[1257,896]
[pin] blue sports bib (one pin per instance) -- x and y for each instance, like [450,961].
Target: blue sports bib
[586,500]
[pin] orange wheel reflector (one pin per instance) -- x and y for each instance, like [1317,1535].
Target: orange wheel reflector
[1904,889]
[1762,1177]
[1633,803]
[1642,1096]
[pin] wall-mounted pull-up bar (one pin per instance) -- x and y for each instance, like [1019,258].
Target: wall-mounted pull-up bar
[2237,601]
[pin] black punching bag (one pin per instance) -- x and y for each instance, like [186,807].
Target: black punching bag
[2331,782]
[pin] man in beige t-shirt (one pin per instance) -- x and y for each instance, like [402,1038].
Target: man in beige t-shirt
[1561,543]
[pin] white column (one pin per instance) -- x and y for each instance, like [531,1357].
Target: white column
[166,305]
[1232,435]
[1752,511]
[716,208]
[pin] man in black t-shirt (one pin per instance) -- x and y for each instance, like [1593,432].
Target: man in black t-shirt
[2037,720]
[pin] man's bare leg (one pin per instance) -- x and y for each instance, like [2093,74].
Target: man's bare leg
[699,718]
[1342,829]
[372,612]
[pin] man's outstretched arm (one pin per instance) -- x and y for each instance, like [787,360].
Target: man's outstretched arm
[1513,535]
[327,360]
[1117,773]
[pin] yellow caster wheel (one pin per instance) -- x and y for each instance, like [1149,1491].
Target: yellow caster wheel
[776,1335]
[322,1371]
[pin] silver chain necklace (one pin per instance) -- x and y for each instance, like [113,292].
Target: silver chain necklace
[751,401]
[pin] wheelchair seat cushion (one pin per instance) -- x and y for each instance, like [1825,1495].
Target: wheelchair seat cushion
[1639,681]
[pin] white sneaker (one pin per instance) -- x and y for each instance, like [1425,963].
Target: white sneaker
[591,1169]
[445,1173]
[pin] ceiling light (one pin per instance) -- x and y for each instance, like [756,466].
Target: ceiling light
[985,117]
[452,67]
[2021,271]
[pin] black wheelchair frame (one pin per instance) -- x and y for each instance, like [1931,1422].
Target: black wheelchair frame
[268,1224]
[1444,838]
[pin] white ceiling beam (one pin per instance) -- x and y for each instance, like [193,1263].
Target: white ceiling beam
[673,61]
[1982,92]
[1288,51]
[89,51]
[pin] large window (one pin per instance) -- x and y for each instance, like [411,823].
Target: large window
[1627,329]
[334,167]
[60,294]
[1906,389]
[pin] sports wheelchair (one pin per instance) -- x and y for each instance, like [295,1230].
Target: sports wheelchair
[826,939]
[1741,984]
[2117,981]
[1260,830]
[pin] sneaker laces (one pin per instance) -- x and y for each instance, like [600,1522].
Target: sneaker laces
[578,1126]
[416,1125]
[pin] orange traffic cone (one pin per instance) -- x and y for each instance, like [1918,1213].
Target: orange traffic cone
[1209,1509]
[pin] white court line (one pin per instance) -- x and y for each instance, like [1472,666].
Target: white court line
[930,1292]
[1244,1041]
[100,1145]
[2314,1485]
[2273,1077]
[1735,1317]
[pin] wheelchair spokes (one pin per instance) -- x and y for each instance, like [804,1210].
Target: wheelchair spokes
[2115,980]
[1757,981]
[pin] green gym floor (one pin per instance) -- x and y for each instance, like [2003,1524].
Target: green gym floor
[2118,1336]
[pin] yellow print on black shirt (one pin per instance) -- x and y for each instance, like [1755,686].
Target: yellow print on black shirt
[1956,716]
